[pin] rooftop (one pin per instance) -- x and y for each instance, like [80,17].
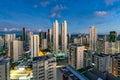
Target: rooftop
[72,73]
[42,58]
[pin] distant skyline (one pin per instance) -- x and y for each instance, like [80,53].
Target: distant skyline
[38,15]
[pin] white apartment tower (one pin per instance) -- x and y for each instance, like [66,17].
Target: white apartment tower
[55,36]
[93,38]
[44,68]
[4,68]
[8,39]
[16,49]
[34,45]
[64,36]
[76,56]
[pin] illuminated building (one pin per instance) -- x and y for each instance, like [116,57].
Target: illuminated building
[41,53]
[34,45]
[115,65]
[92,38]
[64,36]
[55,37]
[4,68]
[21,74]
[44,68]
[76,56]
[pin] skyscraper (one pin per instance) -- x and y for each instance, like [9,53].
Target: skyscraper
[68,39]
[93,38]
[55,36]
[44,44]
[76,56]
[34,45]
[23,34]
[50,38]
[44,68]
[29,38]
[8,39]
[42,35]
[16,49]
[64,36]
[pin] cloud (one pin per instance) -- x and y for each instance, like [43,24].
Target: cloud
[100,13]
[44,3]
[57,15]
[35,6]
[56,11]
[110,2]
[59,8]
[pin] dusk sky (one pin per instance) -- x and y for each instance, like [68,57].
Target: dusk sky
[79,14]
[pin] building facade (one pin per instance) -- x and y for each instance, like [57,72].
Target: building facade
[64,36]
[4,68]
[92,38]
[55,37]
[34,45]
[44,68]
[76,56]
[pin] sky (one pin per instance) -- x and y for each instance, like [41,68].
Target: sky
[37,15]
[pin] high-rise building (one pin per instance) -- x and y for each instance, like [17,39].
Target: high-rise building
[55,37]
[16,49]
[76,56]
[8,39]
[42,35]
[88,58]
[1,43]
[115,65]
[29,38]
[68,39]
[113,36]
[64,36]
[92,38]
[4,68]
[102,46]
[44,44]
[49,38]
[102,62]
[34,45]
[23,34]
[44,68]
[108,47]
